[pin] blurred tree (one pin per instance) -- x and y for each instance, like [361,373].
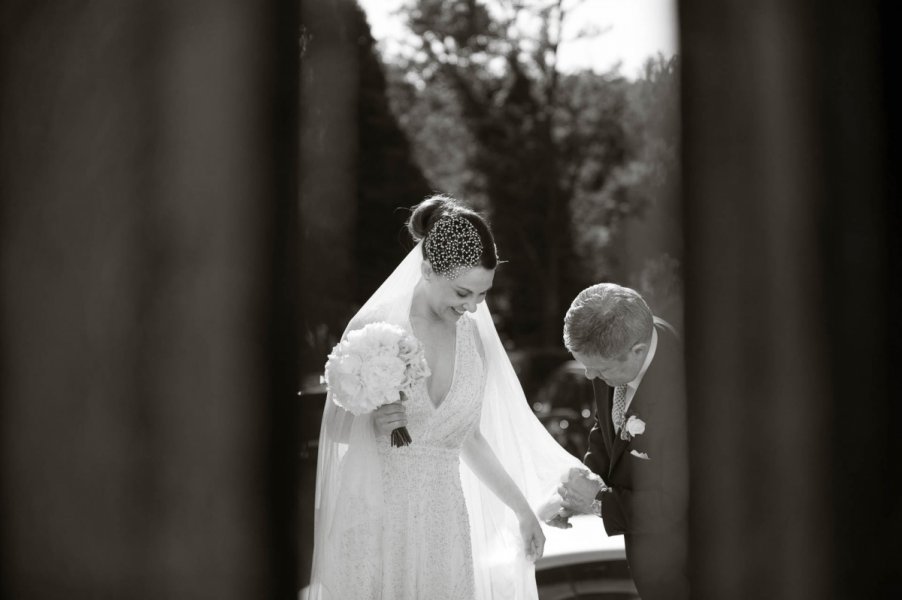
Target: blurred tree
[389,182]
[358,178]
[327,192]
[557,159]
[646,250]
[643,182]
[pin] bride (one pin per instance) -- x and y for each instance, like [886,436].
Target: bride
[452,515]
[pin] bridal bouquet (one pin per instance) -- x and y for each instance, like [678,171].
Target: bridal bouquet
[374,366]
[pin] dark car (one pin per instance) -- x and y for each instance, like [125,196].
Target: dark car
[565,404]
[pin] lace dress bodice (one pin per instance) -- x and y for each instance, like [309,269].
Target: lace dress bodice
[424,538]
[447,426]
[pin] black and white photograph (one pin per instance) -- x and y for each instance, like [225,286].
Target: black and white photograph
[450,300]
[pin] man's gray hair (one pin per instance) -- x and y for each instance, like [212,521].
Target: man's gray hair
[607,320]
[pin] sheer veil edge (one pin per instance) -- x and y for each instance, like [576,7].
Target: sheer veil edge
[348,480]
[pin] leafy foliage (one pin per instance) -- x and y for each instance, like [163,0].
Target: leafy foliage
[388,181]
[558,160]
[353,234]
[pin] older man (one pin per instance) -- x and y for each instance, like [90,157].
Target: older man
[638,446]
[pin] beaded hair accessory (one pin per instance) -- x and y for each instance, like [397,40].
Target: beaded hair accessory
[452,246]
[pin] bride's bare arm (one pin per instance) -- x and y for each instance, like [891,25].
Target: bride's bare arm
[479,456]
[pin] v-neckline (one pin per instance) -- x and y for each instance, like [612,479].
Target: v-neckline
[444,399]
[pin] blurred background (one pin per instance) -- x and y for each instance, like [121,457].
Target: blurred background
[195,196]
[558,120]
[576,166]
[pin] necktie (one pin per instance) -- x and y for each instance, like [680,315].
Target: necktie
[617,416]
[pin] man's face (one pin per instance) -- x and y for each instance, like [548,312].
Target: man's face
[614,371]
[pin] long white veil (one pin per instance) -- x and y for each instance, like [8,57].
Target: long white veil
[349,502]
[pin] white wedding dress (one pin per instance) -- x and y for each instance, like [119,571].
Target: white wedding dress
[415,522]
[425,535]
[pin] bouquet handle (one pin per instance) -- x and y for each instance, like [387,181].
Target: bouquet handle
[400,436]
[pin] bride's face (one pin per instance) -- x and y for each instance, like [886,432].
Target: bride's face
[451,298]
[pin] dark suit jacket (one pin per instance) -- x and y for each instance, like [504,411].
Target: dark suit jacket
[647,495]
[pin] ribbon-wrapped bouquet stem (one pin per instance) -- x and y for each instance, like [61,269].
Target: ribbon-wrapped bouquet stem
[375,365]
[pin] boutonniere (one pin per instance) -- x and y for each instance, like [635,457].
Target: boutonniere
[634,426]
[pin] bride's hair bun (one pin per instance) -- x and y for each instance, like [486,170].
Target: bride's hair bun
[428,212]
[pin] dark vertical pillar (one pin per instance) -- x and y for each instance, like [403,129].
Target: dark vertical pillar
[859,76]
[328,194]
[788,322]
[147,267]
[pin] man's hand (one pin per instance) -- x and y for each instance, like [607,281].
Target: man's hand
[579,491]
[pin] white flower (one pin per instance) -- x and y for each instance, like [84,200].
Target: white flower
[634,426]
[408,347]
[375,337]
[373,366]
[382,375]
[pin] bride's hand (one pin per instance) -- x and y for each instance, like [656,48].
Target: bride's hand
[389,417]
[561,520]
[533,537]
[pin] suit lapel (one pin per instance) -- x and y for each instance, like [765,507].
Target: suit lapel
[612,441]
[619,446]
[641,407]
[636,409]
[605,397]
